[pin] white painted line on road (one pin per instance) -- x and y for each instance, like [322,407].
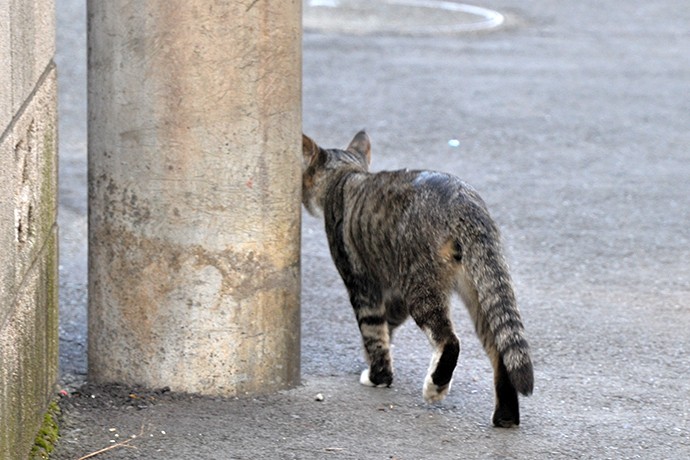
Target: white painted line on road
[325,3]
[491,18]
[488,18]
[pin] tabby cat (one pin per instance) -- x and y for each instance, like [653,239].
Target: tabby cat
[402,242]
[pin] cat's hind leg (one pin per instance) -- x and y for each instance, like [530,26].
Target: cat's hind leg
[507,409]
[432,315]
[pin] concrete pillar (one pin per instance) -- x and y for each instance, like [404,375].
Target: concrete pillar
[194,194]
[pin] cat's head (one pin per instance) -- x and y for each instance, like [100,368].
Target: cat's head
[321,165]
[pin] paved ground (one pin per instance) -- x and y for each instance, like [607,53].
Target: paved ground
[573,122]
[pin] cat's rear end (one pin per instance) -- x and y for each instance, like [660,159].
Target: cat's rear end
[484,284]
[403,241]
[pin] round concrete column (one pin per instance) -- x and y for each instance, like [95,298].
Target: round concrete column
[194,194]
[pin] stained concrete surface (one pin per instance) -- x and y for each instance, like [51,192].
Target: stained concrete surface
[572,121]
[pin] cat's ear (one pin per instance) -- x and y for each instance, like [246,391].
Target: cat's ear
[309,150]
[361,145]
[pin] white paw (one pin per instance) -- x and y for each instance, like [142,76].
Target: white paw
[364,380]
[432,393]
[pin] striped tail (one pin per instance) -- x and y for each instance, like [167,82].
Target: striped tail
[491,302]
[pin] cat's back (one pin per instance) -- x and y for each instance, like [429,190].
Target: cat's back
[393,221]
[406,208]
[417,194]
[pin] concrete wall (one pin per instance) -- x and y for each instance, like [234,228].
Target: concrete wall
[28,230]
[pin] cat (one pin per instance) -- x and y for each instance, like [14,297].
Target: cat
[403,242]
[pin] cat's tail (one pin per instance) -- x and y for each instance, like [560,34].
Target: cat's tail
[486,288]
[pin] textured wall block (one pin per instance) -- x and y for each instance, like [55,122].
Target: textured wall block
[6,111]
[7,228]
[28,362]
[32,35]
[28,268]
[34,174]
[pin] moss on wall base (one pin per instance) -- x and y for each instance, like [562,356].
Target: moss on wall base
[48,434]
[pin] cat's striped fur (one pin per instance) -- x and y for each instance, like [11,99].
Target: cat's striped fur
[403,241]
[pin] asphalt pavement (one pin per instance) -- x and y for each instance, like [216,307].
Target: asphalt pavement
[572,119]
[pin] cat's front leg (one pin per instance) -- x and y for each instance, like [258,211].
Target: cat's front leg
[366,381]
[371,318]
[376,341]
